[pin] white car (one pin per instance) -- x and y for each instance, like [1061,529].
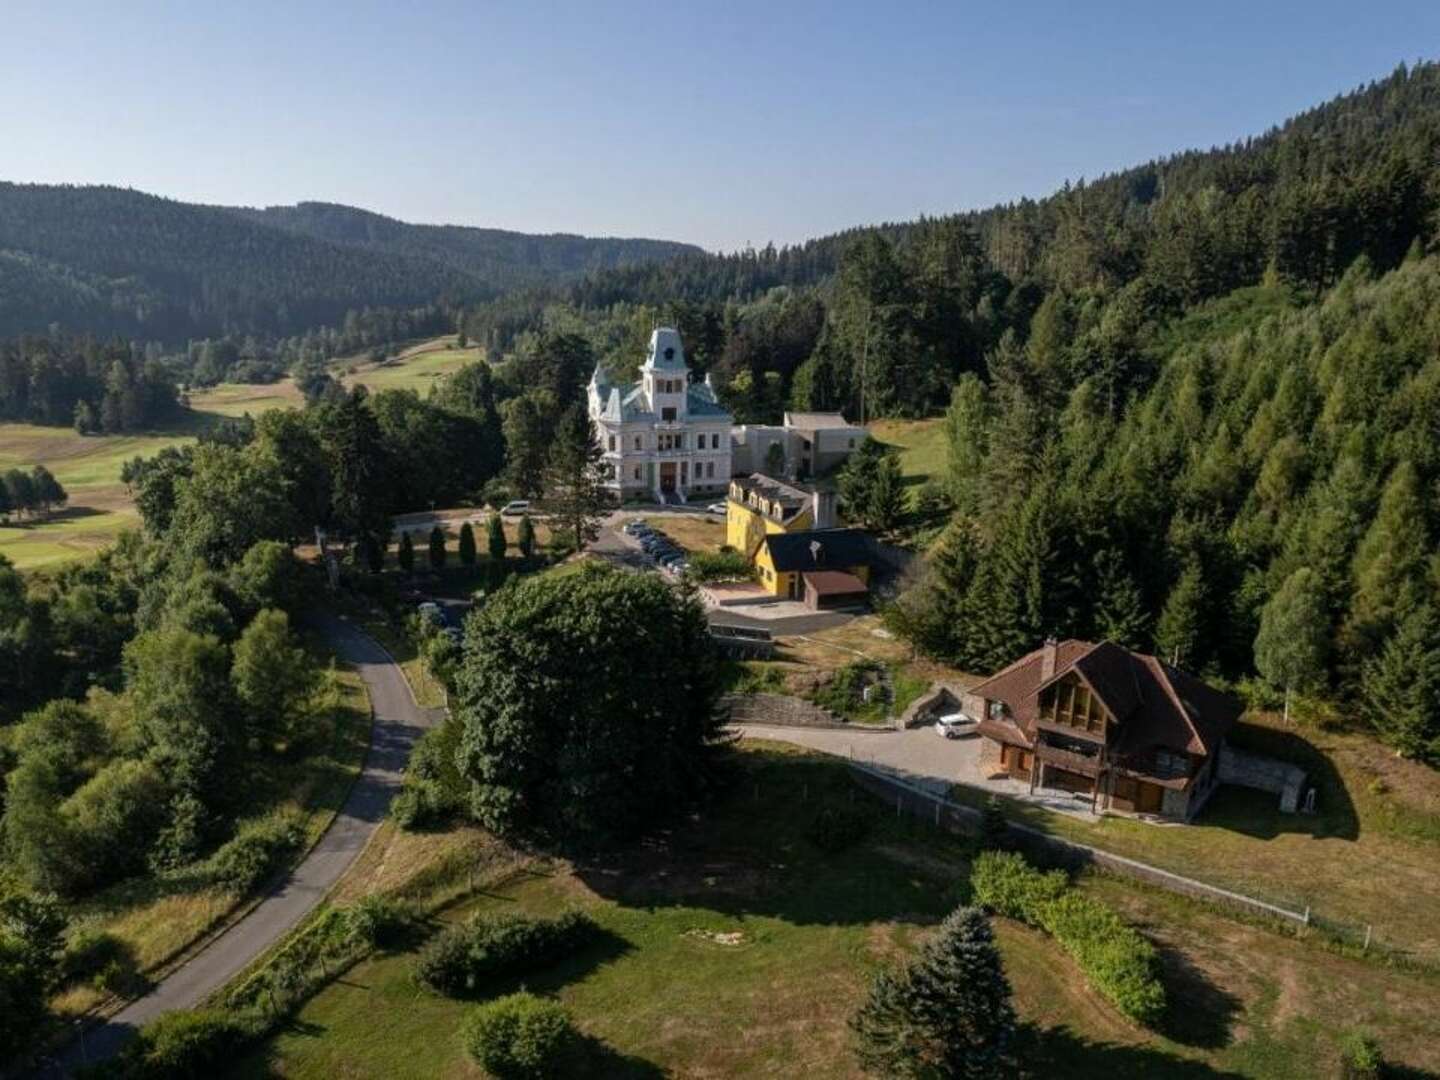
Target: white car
[955,725]
[515,508]
[716,508]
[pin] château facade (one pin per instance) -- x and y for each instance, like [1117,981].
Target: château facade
[664,436]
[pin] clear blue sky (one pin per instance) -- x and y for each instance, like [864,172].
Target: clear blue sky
[722,123]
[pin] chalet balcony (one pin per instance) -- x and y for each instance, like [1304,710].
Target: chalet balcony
[1069,760]
[1097,737]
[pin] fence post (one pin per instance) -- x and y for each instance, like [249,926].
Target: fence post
[897,805]
[1368,928]
[1307,914]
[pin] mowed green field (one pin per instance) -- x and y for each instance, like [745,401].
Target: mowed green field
[922,446]
[733,946]
[89,465]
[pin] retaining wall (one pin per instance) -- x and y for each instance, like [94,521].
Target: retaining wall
[782,710]
[1263,773]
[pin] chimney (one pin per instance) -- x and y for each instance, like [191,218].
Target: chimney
[823,506]
[1047,658]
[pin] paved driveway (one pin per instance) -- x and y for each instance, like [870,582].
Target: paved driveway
[397,723]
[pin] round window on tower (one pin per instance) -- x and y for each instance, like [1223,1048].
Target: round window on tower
[670,352]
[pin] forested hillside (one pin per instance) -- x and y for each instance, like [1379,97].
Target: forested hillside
[922,302]
[107,260]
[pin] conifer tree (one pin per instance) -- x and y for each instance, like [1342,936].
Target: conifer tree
[1400,688]
[1294,640]
[406,555]
[437,548]
[1390,557]
[1180,629]
[572,478]
[467,545]
[947,1015]
[1120,612]
[495,537]
[887,496]
[525,537]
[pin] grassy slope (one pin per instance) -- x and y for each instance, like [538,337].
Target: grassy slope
[156,918]
[922,447]
[89,466]
[1371,855]
[661,995]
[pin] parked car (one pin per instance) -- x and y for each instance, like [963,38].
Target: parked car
[515,507]
[955,725]
[717,508]
[431,611]
[638,527]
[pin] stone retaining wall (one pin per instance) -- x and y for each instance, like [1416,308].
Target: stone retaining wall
[782,710]
[1263,773]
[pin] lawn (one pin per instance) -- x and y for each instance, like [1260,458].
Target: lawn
[1369,856]
[923,450]
[732,946]
[157,918]
[693,532]
[416,368]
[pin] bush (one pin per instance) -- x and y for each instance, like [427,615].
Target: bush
[376,920]
[522,1036]
[836,827]
[434,790]
[182,1044]
[1008,885]
[706,566]
[488,946]
[256,851]
[1117,959]
[1360,1057]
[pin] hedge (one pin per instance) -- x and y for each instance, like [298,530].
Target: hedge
[521,1036]
[1119,962]
[255,852]
[181,1044]
[489,946]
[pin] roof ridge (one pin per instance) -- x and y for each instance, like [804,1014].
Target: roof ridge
[1169,688]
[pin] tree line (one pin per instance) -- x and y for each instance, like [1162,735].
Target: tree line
[98,387]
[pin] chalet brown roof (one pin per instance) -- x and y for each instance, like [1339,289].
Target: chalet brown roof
[1155,704]
[834,583]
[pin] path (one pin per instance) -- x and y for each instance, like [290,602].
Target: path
[397,722]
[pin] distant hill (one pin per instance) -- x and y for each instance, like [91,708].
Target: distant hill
[110,260]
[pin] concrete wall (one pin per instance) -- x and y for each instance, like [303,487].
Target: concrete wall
[1266,774]
[782,710]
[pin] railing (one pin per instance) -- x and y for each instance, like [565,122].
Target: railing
[1067,759]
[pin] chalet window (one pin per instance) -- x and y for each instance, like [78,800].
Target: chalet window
[1168,764]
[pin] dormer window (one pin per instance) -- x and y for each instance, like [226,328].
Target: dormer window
[669,352]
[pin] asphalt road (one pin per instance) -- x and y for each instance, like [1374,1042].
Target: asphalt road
[918,754]
[397,723]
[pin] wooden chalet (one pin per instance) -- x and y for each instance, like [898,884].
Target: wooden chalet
[1127,729]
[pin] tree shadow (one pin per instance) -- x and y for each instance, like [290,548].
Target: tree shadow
[1257,813]
[601,947]
[750,853]
[68,513]
[1199,1013]
[1058,1051]
[602,1059]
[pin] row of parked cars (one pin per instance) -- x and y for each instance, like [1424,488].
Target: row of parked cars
[663,551]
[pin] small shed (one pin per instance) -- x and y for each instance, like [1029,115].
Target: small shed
[831,590]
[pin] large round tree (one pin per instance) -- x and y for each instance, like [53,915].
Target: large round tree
[589,707]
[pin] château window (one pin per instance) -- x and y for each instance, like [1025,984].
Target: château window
[670,353]
[667,413]
[852,444]
[715,441]
[639,444]
[612,442]
[637,472]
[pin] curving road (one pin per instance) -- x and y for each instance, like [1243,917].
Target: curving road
[396,724]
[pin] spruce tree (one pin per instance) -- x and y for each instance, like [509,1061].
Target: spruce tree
[887,495]
[948,1014]
[1391,556]
[1400,688]
[572,479]
[437,548]
[467,545]
[374,554]
[1180,630]
[495,537]
[1120,613]
[525,537]
[406,554]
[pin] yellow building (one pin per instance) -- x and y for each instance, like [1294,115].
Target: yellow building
[826,568]
[759,507]
[789,536]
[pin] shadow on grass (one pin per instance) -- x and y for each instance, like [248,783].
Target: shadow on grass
[1200,1013]
[1257,813]
[751,853]
[602,1059]
[601,947]
[1058,1051]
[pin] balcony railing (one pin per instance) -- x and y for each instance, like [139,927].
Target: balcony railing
[1066,759]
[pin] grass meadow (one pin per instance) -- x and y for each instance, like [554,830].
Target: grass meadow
[733,947]
[89,465]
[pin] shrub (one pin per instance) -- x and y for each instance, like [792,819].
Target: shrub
[706,566]
[1119,962]
[376,920]
[488,946]
[434,790]
[255,852]
[521,1036]
[182,1044]
[1360,1057]
[837,826]
[1008,885]
[1117,959]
